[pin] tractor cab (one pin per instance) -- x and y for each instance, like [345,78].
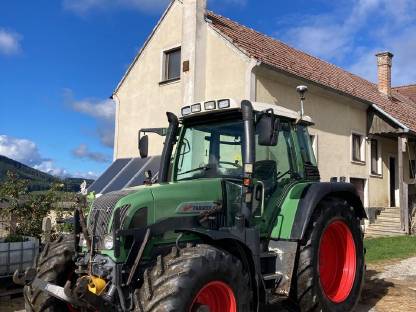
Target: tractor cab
[251,146]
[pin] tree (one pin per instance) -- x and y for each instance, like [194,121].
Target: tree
[25,210]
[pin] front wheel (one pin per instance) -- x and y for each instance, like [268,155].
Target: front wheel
[195,279]
[53,265]
[331,267]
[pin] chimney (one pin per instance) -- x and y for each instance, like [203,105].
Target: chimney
[384,62]
[193,50]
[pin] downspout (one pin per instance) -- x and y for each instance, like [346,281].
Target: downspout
[116,121]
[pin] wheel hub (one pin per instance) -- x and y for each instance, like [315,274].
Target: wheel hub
[215,296]
[337,261]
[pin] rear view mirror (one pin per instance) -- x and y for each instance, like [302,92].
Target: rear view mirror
[267,128]
[144,146]
[144,140]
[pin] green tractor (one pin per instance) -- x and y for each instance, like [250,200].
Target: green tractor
[238,221]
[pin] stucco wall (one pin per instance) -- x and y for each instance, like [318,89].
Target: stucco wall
[225,69]
[141,101]
[335,118]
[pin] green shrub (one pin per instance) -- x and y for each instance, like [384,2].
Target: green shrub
[15,238]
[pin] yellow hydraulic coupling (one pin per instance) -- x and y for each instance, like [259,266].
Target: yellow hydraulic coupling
[96,285]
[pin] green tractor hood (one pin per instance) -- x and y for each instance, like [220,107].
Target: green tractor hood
[171,199]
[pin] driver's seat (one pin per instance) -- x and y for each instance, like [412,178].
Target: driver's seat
[266,171]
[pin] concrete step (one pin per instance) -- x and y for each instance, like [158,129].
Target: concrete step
[390,213]
[388,217]
[387,220]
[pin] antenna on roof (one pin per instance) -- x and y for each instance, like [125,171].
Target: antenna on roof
[302,91]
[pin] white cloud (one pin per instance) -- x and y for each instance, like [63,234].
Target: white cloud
[330,36]
[83,7]
[86,175]
[22,150]
[403,47]
[353,32]
[48,166]
[9,42]
[82,151]
[102,110]
[27,152]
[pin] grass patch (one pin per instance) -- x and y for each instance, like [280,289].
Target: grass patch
[387,248]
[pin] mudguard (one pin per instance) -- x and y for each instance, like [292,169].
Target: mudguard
[314,194]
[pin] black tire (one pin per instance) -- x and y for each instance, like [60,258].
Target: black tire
[53,265]
[308,289]
[175,280]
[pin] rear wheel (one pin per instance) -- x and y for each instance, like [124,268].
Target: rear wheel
[195,279]
[330,270]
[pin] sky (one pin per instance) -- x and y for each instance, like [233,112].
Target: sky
[61,60]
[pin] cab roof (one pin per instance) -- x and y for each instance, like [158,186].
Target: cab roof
[203,108]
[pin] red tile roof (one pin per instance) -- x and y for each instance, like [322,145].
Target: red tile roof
[282,57]
[408,91]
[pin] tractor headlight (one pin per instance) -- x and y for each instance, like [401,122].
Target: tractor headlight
[196,108]
[224,103]
[108,241]
[209,105]
[82,241]
[186,110]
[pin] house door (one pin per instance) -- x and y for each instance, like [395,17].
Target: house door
[359,185]
[392,181]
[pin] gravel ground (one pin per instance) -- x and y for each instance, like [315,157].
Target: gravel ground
[389,287]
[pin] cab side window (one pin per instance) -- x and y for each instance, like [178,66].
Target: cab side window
[281,154]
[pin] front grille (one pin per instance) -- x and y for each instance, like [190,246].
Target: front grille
[102,209]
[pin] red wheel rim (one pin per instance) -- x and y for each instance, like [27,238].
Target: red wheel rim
[337,261]
[217,297]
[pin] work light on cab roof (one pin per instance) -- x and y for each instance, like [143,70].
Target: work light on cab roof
[207,106]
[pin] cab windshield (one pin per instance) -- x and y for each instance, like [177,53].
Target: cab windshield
[210,150]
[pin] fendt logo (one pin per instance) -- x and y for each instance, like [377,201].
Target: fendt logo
[194,207]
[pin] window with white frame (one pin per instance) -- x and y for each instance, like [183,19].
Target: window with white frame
[375,155]
[357,147]
[171,64]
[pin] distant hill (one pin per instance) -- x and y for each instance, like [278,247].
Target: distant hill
[38,180]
